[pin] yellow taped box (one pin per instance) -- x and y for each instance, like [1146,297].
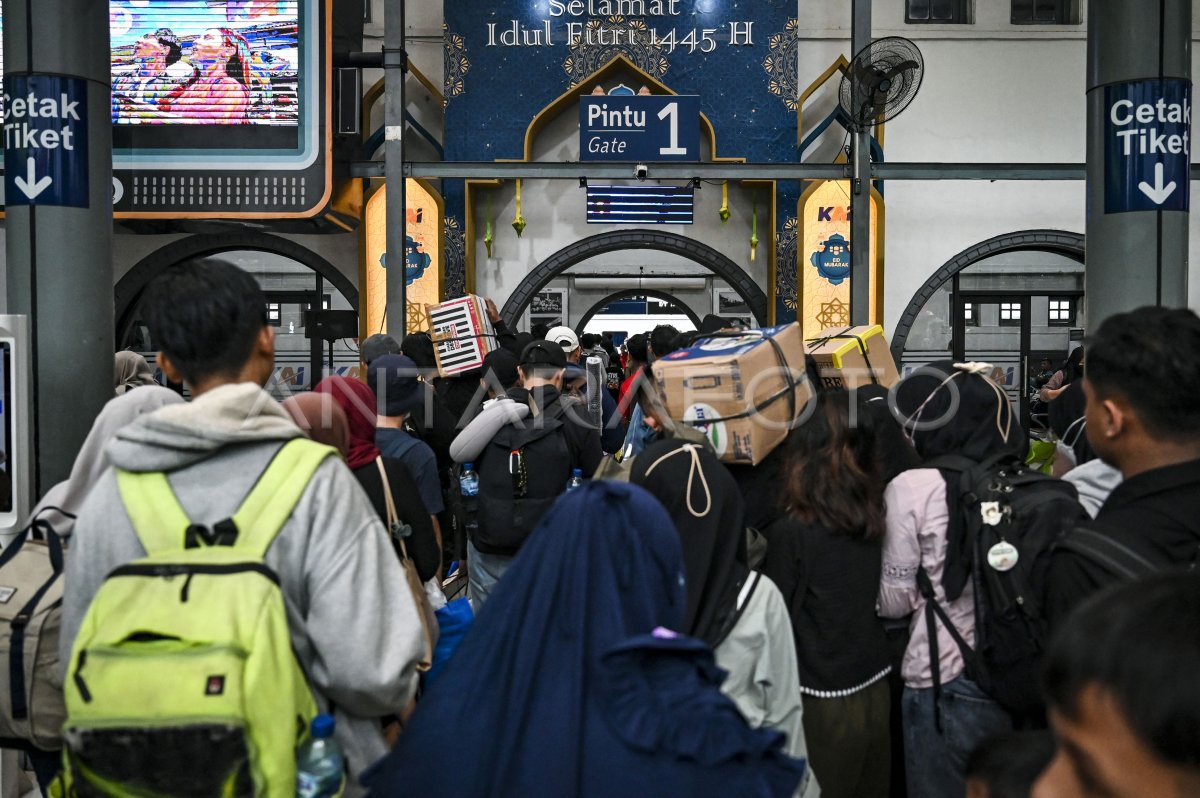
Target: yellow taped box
[742,389]
[850,357]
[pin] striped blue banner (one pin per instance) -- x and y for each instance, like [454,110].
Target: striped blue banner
[640,204]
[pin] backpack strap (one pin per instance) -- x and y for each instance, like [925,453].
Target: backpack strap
[162,525]
[277,492]
[934,612]
[1107,552]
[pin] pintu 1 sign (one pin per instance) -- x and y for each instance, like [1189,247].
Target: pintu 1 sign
[639,128]
[45,140]
[1147,145]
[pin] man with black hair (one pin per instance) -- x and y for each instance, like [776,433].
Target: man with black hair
[664,339]
[1143,418]
[353,622]
[1120,678]
[525,466]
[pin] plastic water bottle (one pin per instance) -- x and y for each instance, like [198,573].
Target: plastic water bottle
[320,763]
[468,481]
[576,479]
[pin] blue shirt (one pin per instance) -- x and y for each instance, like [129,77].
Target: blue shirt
[419,459]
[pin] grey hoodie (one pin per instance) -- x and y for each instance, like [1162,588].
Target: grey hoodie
[353,621]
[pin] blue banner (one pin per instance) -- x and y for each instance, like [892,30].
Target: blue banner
[45,140]
[1147,145]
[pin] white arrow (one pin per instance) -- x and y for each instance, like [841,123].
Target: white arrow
[32,186]
[1157,193]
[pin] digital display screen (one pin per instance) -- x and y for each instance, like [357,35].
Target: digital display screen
[180,67]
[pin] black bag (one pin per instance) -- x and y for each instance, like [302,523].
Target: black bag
[522,471]
[1011,517]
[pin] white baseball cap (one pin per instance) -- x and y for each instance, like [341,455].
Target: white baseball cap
[564,337]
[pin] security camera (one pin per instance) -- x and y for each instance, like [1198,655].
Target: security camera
[641,171]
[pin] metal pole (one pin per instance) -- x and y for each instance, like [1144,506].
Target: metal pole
[1134,257]
[860,188]
[63,281]
[395,68]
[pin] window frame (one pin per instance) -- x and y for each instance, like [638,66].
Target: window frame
[964,14]
[970,314]
[1066,321]
[275,314]
[1066,12]
[1014,311]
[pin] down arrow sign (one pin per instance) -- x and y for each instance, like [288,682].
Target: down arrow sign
[1157,193]
[32,186]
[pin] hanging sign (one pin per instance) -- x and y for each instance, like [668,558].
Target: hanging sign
[1147,147]
[45,140]
[639,128]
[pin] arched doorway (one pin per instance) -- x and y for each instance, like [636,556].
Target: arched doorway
[592,246]
[1010,301]
[617,296]
[295,281]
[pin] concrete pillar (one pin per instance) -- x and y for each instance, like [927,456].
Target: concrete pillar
[59,244]
[1137,253]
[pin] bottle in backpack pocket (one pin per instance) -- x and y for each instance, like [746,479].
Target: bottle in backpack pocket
[320,762]
[468,481]
[576,479]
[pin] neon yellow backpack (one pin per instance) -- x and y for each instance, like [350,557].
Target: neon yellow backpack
[183,680]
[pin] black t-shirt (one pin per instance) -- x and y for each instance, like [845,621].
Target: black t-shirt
[422,544]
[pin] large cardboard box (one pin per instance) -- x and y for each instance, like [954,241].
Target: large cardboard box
[850,357]
[743,389]
[460,333]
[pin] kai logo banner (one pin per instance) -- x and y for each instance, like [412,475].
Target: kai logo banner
[825,254]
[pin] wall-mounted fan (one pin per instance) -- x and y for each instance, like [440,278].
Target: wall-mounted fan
[881,82]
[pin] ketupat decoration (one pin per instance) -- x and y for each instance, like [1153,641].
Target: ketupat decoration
[519,222]
[754,232]
[488,238]
[724,210]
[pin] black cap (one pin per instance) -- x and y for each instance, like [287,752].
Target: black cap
[394,379]
[503,366]
[544,353]
[377,346]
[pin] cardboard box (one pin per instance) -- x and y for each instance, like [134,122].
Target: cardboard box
[461,334]
[740,388]
[850,357]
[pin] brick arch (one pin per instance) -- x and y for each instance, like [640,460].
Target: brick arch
[592,246]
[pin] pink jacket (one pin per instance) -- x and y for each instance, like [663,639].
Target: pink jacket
[916,535]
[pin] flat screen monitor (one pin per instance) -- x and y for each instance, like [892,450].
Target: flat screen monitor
[219,107]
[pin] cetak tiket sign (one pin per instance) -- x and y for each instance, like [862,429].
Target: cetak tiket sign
[45,140]
[1147,145]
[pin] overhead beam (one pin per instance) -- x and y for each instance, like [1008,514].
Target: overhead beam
[896,170]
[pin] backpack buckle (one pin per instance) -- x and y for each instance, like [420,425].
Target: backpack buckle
[223,533]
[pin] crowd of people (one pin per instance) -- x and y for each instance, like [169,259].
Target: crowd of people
[891,603]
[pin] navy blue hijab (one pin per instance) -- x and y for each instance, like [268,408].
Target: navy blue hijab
[564,687]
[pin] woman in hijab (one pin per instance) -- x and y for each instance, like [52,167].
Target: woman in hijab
[92,461]
[949,409]
[739,614]
[131,371]
[339,404]
[572,682]
[826,555]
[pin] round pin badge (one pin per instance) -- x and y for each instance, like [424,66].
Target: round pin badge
[1003,556]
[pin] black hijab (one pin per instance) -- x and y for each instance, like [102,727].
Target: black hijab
[894,451]
[1066,413]
[703,500]
[956,411]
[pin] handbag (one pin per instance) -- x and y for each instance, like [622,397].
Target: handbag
[429,622]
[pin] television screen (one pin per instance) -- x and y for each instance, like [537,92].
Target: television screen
[218,107]
[205,62]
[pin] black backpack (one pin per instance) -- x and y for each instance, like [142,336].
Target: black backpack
[1031,511]
[522,471]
